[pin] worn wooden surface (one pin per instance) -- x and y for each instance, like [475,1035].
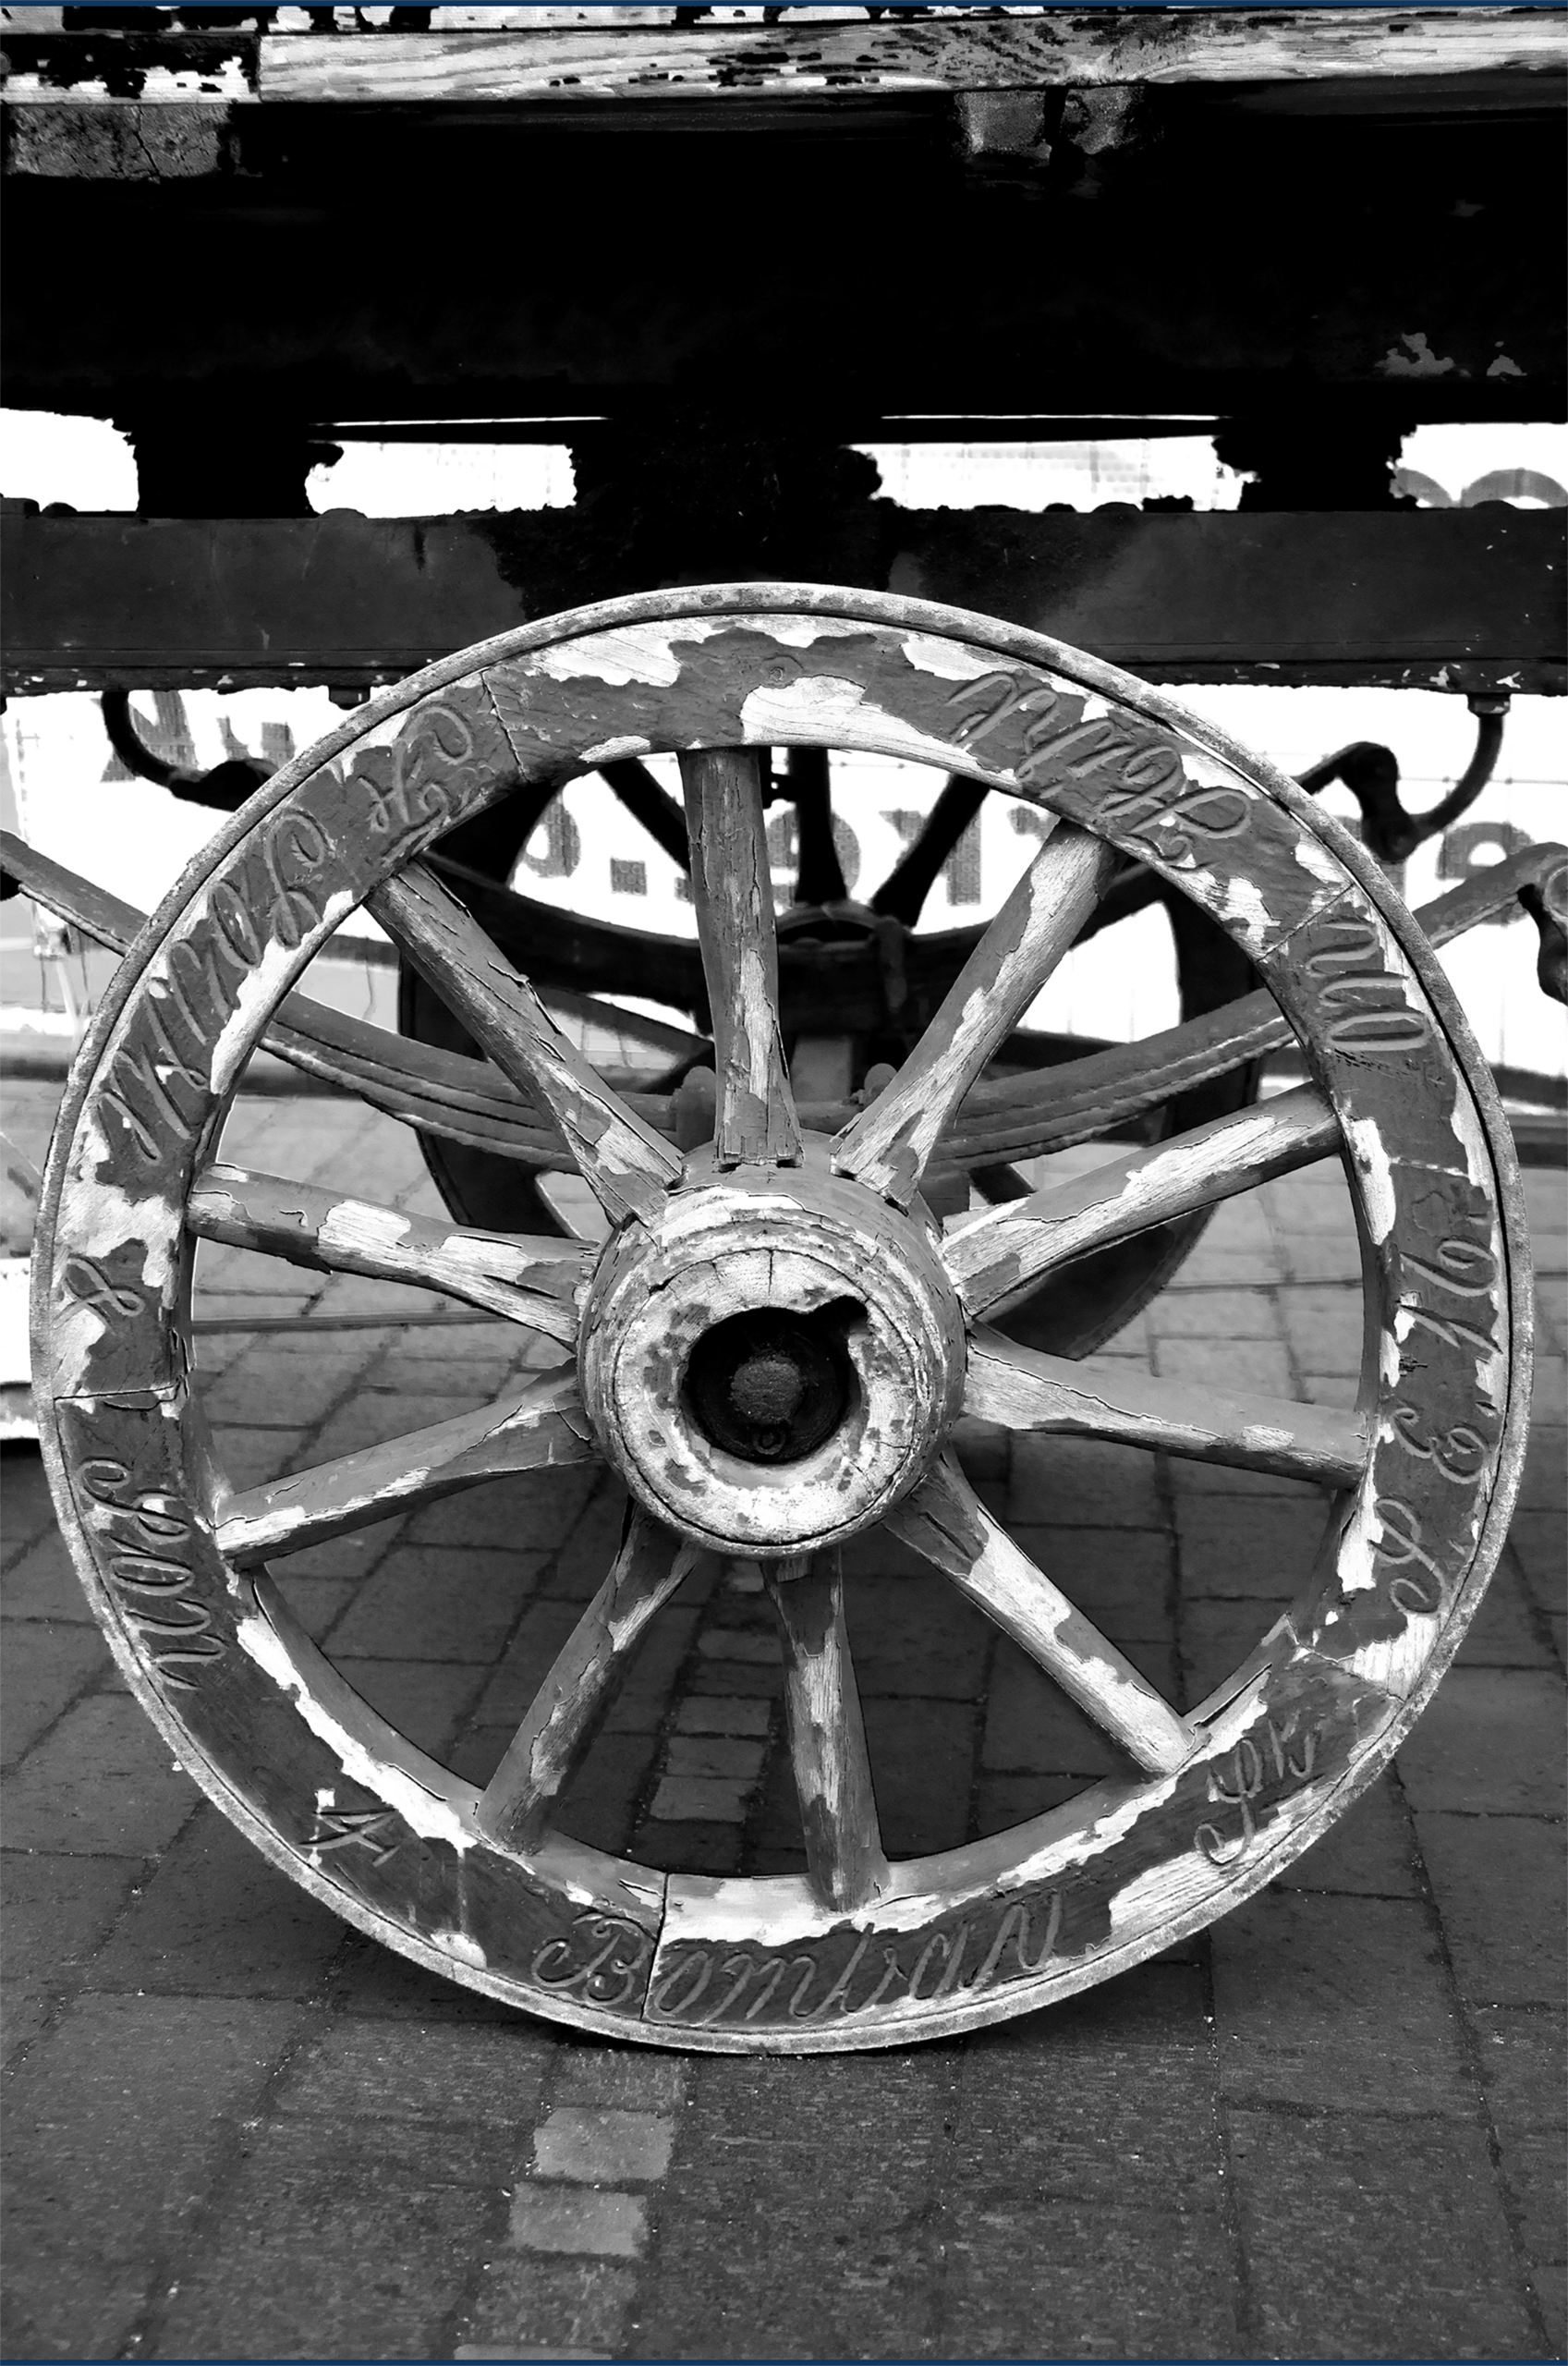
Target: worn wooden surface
[827,1734]
[1210,1804]
[1444,600]
[649,60]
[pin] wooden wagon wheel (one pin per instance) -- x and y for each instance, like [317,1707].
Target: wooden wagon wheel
[1081,1310]
[774,1343]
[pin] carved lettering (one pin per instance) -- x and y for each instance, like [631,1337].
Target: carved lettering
[602,1960]
[1366,1010]
[1249,1772]
[1460,1454]
[143,1528]
[89,1283]
[1401,1544]
[376,1830]
[293,847]
[980,1951]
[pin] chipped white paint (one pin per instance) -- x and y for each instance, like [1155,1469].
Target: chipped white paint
[612,752]
[1243,907]
[823,709]
[264,984]
[948,660]
[1362,1534]
[460,1943]
[432,1817]
[1372,1165]
[638,654]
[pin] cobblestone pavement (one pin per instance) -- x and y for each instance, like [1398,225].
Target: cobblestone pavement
[1332,2126]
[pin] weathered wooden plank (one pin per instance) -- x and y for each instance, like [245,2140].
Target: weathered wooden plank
[732,888]
[624,1162]
[1452,599]
[945,1521]
[920,53]
[542,1423]
[995,1255]
[826,1734]
[1021,1389]
[564,1713]
[888,1147]
[531,1282]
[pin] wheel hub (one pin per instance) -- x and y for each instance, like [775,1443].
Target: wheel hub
[774,1361]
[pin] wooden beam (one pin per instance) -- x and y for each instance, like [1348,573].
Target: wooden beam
[1456,600]
[654,59]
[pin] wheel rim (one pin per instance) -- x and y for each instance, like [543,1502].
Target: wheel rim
[861,1953]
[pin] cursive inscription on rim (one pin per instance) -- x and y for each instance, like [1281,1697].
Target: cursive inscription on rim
[604,1959]
[1364,1008]
[141,1532]
[706,1987]
[1240,1779]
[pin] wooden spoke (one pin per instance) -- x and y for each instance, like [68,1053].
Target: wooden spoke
[1021,1389]
[888,1146]
[946,1521]
[531,1281]
[826,1734]
[996,1254]
[540,1422]
[626,1164]
[903,893]
[733,891]
[566,1710]
[818,875]
[652,805]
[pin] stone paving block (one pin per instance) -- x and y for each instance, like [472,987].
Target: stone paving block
[1328,1388]
[982,1450]
[1551,1309]
[820,2185]
[218,1919]
[116,2125]
[1490,1743]
[619,2078]
[539,1508]
[1333,1256]
[581,2222]
[330,2244]
[915,1637]
[1545,1484]
[426,1701]
[736,1757]
[372,1416]
[741,1646]
[470,2077]
[99,1783]
[742,1715]
[589,1545]
[432,1602]
[695,1798]
[712,1848]
[922,1768]
[57,1912]
[1498,1880]
[42,1669]
[1031,1727]
[1257,1548]
[1538,1540]
[1188,1313]
[763,1678]
[644,1697]
[1083,1483]
[369,1982]
[1123,1581]
[1548,1396]
[1324,1325]
[601,2146]
[41,1583]
[1235,1268]
[1336,2003]
[317,1602]
[1522,2071]
[292,1384]
[1153,2282]
[249,1458]
[1370,2237]
[1370,1852]
[1233,1367]
[552,2308]
[1315,1200]
[1239,1224]
[599,1802]
[1506,1632]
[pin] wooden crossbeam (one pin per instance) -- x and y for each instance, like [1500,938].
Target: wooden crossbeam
[1456,600]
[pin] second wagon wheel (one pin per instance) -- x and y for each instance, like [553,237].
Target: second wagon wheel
[775,1341]
[887,984]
